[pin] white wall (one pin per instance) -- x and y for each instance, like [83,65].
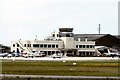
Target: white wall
[68,42]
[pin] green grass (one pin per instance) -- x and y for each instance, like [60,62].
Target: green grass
[84,68]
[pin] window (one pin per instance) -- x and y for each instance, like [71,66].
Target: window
[49,46]
[83,46]
[45,52]
[29,45]
[82,39]
[49,52]
[67,35]
[35,45]
[90,46]
[13,45]
[53,35]
[105,50]
[56,46]
[57,35]
[24,45]
[69,51]
[76,46]
[53,46]
[13,51]
[80,46]
[41,45]
[17,45]
[87,53]
[45,45]
[91,53]
[87,46]
[53,52]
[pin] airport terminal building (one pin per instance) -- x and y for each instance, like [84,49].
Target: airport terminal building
[62,41]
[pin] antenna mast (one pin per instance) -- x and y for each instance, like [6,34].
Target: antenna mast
[99,28]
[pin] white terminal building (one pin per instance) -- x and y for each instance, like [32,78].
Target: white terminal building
[59,42]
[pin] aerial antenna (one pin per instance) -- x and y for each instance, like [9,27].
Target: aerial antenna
[36,37]
[99,28]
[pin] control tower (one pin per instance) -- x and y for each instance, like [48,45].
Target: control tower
[67,35]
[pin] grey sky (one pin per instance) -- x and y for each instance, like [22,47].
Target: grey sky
[24,19]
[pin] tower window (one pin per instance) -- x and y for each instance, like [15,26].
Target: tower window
[67,35]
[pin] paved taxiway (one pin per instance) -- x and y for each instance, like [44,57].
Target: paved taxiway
[62,59]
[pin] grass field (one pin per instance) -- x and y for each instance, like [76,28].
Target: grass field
[84,68]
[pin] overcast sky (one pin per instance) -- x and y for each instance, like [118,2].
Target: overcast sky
[24,19]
